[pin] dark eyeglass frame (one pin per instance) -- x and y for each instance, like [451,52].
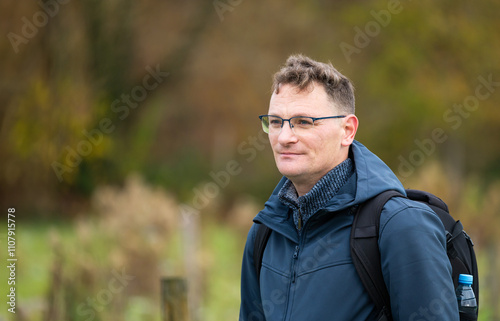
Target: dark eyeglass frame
[283,120]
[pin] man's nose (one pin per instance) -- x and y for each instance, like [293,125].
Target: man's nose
[287,135]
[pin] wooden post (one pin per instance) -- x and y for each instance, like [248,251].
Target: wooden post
[191,246]
[174,298]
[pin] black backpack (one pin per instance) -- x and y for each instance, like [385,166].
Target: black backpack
[365,253]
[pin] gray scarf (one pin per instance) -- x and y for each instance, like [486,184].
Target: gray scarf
[322,192]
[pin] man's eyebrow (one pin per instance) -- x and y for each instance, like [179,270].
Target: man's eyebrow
[301,114]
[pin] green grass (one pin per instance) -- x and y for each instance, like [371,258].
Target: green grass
[221,248]
[34,257]
[223,294]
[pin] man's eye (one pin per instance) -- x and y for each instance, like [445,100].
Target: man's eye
[304,122]
[275,122]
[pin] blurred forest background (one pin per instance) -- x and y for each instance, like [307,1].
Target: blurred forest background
[131,148]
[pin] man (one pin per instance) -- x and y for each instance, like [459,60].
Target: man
[307,272]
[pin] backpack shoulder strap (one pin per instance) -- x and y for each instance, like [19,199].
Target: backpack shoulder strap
[435,203]
[261,238]
[365,252]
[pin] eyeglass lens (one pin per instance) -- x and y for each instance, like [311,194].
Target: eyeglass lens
[274,124]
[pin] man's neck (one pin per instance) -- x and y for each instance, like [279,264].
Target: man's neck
[303,189]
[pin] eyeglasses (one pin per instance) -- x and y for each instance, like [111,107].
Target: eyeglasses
[273,124]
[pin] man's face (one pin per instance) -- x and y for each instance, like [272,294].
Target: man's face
[306,157]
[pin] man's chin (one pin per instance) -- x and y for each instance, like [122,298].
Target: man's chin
[291,173]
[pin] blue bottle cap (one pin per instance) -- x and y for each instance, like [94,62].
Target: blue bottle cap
[465,279]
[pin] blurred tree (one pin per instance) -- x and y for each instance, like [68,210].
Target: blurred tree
[412,64]
[425,70]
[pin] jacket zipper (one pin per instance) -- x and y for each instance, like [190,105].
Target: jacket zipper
[291,291]
[295,257]
[296,252]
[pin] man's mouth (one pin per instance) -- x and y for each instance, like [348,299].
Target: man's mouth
[288,154]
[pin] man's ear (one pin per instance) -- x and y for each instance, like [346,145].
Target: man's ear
[350,126]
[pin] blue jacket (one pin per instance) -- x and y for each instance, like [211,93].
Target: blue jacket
[312,277]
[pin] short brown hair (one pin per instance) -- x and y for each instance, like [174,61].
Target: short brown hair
[302,71]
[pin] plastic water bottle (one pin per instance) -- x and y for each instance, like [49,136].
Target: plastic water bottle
[465,295]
